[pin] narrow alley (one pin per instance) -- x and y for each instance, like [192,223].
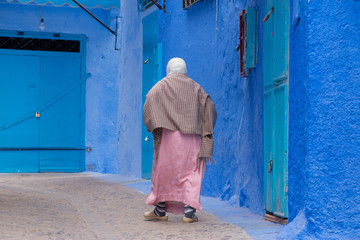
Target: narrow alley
[99,97]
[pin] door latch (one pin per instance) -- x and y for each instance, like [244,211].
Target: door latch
[276,83]
[146,139]
[37,114]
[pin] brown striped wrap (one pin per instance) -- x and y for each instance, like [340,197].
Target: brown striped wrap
[178,103]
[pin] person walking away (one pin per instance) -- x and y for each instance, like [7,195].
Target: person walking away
[181,116]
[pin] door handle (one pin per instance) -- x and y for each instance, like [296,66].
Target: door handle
[270,166]
[268,15]
[271,163]
[146,139]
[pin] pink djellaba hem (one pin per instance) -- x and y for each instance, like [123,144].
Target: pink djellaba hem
[175,178]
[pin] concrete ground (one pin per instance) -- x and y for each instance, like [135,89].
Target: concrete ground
[81,206]
[253,224]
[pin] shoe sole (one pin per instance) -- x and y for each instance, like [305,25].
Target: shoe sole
[189,220]
[164,218]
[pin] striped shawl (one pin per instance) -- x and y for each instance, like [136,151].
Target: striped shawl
[178,103]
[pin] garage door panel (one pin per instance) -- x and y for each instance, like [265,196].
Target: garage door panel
[19,161]
[61,124]
[19,78]
[61,161]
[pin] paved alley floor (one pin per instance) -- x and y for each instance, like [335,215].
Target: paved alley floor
[78,206]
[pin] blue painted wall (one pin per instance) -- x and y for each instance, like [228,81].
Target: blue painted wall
[334,119]
[298,105]
[102,62]
[130,89]
[324,141]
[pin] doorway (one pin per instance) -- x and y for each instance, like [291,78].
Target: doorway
[276,66]
[152,72]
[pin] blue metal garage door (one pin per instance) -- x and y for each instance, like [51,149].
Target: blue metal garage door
[42,96]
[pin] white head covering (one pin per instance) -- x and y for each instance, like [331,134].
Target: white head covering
[176,65]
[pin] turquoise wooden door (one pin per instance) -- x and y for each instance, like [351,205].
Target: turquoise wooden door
[276,44]
[42,110]
[152,72]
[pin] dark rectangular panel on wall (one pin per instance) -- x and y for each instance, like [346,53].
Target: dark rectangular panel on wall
[38,44]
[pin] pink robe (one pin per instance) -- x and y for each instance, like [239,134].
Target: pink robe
[175,179]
